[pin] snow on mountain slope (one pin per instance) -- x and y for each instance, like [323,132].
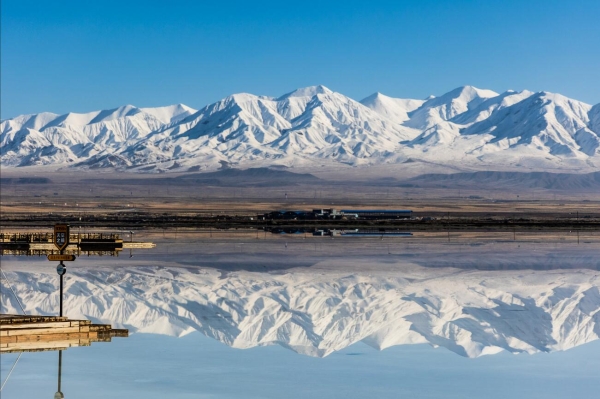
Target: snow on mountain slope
[293,104]
[337,127]
[491,105]
[466,128]
[171,113]
[34,122]
[545,121]
[71,137]
[313,122]
[396,109]
[236,127]
[442,133]
[594,117]
[470,312]
[434,118]
[511,129]
[448,106]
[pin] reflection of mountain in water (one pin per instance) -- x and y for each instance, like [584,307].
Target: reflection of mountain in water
[471,313]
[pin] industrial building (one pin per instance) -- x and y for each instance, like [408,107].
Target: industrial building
[329,214]
[362,233]
[377,213]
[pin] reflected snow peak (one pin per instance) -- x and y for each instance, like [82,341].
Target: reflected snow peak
[471,313]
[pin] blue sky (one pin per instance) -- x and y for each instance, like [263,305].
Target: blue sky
[82,56]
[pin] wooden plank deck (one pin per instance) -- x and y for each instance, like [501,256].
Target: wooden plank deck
[43,333]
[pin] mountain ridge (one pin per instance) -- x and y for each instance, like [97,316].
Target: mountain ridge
[465,127]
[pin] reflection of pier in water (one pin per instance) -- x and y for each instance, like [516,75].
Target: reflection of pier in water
[20,334]
[49,333]
[41,244]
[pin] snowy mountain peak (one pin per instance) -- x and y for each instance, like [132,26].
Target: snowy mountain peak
[437,110]
[117,113]
[471,92]
[31,121]
[170,113]
[461,96]
[309,91]
[395,108]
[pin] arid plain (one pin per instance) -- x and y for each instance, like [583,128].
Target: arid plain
[230,202]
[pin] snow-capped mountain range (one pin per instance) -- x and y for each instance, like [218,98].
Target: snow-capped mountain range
[469,312]
[465,128]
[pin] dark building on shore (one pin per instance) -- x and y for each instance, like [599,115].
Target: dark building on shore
[332,214]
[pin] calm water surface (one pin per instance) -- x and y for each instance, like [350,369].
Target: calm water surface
[351,319]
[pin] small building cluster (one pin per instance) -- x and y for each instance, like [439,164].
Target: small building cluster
[327,232]
[332,214]
[361,233]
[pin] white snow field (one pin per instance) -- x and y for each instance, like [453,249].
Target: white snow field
[331,305]
[465,129]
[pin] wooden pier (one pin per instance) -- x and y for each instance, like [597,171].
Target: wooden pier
[40,244]
[51,333]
